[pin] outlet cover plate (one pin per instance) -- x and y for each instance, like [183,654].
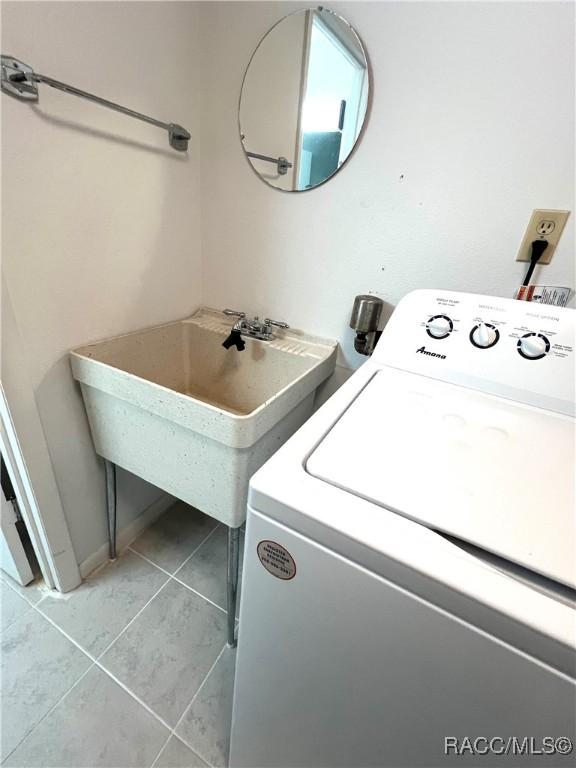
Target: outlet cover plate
[543,225]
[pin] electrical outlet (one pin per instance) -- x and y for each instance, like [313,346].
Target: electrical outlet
[543,225]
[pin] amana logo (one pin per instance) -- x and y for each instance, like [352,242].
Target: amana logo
[424,351]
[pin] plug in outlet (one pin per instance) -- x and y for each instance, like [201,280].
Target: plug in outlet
[543,225]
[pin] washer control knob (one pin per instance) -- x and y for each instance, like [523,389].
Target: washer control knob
[439,326]
[484,335]
[533,346]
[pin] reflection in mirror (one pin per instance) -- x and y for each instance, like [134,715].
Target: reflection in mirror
[304,100]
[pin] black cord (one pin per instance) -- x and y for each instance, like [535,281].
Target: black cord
[538,248]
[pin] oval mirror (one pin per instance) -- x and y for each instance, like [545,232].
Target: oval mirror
[304,100]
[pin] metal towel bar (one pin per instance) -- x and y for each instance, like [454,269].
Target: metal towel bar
[20,80]
[281,162]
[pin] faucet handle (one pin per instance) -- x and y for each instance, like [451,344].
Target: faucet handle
[277,323]
[234,312]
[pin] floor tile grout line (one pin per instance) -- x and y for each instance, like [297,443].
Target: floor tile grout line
[96,662]
[17,619]
[74,642]
[175,736]
[186,709]
[191,555]
[88,653]
[193,699]
[131,693]
[132,620]
[183,583]
[195,591]
[162,749]
[143,557]
[96,659]
[149,560]
[171,577]
[52,708]
[27,599]
[105,564]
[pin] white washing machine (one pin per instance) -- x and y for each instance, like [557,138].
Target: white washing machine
[410,564]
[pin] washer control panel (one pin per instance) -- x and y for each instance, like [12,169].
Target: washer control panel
[502,346]
[484,335]
[439,326]
[533,346]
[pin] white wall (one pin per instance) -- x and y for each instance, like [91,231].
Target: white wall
[101,230]
[471,127]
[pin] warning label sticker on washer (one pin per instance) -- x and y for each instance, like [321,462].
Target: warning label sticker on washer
[276,559]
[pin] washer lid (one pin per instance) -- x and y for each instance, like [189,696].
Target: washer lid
[495,473]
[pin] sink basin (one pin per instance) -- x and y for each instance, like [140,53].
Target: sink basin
[171,405]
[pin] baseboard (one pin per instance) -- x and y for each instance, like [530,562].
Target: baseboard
[127,535]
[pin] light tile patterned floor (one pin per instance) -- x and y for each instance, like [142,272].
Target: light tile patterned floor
[130,669]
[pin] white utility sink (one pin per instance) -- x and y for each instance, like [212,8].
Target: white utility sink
[171,405]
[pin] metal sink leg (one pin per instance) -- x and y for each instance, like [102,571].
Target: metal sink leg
[233,556]
[110,470]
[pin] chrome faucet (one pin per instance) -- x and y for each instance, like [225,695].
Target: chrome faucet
[254,329]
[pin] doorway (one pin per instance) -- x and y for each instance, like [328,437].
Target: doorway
[335,91]
[17,558]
